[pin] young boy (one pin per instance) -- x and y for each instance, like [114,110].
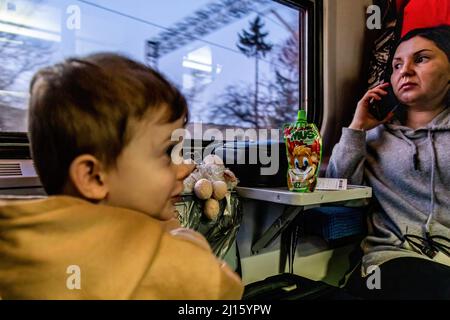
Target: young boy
[100,131]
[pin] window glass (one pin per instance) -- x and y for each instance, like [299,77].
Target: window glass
[236,61]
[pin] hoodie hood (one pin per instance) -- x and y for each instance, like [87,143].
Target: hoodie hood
[441,122]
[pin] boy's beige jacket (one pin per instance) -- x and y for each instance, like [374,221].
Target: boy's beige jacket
[121,254]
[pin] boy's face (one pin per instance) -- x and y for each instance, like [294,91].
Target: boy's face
[145,179]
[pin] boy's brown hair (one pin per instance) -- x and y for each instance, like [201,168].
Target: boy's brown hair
[85,105]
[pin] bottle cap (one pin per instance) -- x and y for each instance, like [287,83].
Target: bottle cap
[301,116]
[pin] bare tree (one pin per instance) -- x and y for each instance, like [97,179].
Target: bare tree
[252,44]
[278,99]
[19,55]
[287,80]
[235,107]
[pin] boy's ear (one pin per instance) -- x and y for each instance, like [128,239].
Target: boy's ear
[86,173]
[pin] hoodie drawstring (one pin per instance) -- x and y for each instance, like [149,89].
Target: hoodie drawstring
[432,193]
[416,164]
[429,244]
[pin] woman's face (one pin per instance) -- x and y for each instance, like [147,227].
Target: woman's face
[421,73]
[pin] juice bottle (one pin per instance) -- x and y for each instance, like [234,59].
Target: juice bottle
[304,153]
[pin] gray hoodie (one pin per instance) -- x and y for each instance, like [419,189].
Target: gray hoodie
[409,172]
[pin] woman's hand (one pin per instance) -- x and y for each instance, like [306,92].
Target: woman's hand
[363,119]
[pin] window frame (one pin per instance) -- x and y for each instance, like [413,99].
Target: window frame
[312,99]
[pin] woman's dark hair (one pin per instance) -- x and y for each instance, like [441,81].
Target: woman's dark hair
[440,35]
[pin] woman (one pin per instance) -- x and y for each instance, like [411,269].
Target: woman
[405,158]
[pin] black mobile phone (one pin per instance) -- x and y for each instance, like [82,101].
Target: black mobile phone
[381,108]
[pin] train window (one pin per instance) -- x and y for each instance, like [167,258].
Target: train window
[240,63]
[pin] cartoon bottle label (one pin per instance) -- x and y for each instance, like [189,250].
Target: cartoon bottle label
[304,153]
